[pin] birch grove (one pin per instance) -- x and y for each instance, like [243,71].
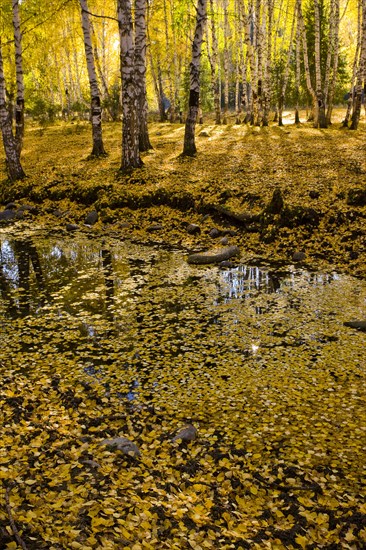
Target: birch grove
[255,60]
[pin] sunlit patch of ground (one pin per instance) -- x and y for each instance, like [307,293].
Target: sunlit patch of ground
[234,163]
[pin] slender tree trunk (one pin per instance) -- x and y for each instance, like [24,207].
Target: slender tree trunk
[178,110]
[96,109]
[100,67]
[239,64]
[267,67]
[226,60]
[140,73]
[286,74]
[259,42]
[130,127]
[213,65]
[157,87]
[249,40]
[189,148]
[354,68]
[19,108]
[306,60]
[320,120]
[361,73]
[297,72]
[333,82]
[168,62]
[237,91]
[14,168]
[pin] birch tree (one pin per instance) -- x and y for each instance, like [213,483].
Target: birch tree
[361,72]
[13,165]
[96,109]
[297,71]
[140,73]
[19,106]
[130,121]
[300,22]
[331,71]
[286,74]
[319,120]
[212,58]
[189,148]
[225,8]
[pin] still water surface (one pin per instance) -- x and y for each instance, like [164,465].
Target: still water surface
[111,302]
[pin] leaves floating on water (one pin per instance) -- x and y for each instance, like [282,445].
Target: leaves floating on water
[141,344]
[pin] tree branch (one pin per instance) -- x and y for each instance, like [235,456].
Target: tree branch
[99,16]
[13,526]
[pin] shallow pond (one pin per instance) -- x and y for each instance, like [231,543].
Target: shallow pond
[105,303]
[102,339]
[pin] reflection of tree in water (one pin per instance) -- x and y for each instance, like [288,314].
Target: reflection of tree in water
[6,293]
[244,281]
[25,256]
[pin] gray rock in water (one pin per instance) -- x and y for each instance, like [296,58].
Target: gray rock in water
[58,214]
[91,464]
[359,325]
[213,257]
[7,215]
[71,227]
[122,444]
[189,433]
[193,229]
[125,225]
[224,241]
[214,233]
[154,227]
[28,208]
[227,264]
[298,256]
[91,218]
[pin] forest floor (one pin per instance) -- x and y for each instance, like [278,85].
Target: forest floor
[229,184]
[105,336]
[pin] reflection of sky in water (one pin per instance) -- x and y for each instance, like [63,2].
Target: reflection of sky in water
[8,263]
[56,253]
[244,281]
[126,292]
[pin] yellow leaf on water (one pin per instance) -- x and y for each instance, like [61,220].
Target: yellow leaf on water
[301,541]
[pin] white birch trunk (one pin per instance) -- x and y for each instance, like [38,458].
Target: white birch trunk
[19,107]
[297,71]
[96,109]
[213,56]
[306,59]
[319,120]
[354,68]
[176,104]
[189,148]
[239,64]
[14,168]
[361,73]
[249,39]
[267,91]
[130,128]
[257,93]
[286,74]
[140,73]
[335,52]
[226,61]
